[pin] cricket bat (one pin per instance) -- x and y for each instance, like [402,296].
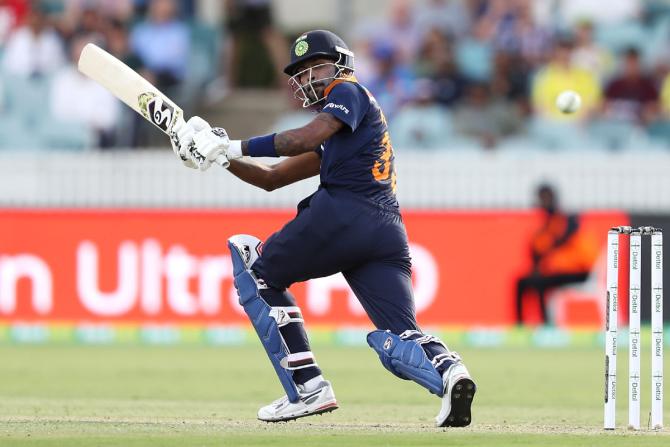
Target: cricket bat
[131,88]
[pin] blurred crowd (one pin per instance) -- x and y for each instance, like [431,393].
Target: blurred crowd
[448,73]
[46,103]
[486,73]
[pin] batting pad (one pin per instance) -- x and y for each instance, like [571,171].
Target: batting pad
[260,314]
[406,359]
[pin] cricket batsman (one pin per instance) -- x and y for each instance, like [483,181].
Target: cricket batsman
[351,224]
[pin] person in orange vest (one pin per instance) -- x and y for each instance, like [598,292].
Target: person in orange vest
[562,253]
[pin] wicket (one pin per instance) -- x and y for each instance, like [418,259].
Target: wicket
[612,304]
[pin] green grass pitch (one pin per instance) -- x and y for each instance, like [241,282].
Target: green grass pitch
[72,396]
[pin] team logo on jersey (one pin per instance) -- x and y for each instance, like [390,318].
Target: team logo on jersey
[155,110]
[301,48]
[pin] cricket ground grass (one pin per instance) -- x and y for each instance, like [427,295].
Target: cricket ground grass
[68,395]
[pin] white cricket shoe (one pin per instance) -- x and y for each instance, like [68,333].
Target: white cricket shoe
[459,390]
[319,400]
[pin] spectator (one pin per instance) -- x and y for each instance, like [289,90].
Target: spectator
[187,8]
[80,100]
[365,64]
[423,123]
[660,68]
[559,75]
[131,127]
[436,62]
[632,96]
[252,27]
[449,17]
[474,53]
[661,129]
[488,15]
[517,33]
[391,83]
[560,252]
[613,12]
[35,49]
[399,31]
[116,36]
[162,43]
[484,118]
[121,10]
[587,54]
[12,13]
[510,80]
[433,45]
[665,96]
[84,17]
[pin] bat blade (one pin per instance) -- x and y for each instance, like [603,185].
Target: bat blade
[131,88]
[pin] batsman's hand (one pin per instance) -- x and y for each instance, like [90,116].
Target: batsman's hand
[209,146]
[181,137]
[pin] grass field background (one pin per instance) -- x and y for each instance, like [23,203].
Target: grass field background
[72,395]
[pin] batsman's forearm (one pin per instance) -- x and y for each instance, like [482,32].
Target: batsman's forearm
[294,142]
[252,172]
[289,143]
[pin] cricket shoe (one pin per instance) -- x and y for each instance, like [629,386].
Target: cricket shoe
[459,390]
[317,401]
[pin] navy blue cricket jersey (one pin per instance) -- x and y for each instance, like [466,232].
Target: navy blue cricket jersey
[358,158]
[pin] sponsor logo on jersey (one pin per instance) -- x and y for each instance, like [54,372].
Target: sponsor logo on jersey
[332,105]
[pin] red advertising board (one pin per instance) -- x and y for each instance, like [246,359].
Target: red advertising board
[165,266]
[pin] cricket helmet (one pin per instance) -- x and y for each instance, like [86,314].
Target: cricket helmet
[315,45]
[319,43]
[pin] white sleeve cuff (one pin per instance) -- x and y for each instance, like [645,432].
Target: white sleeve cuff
[234,150]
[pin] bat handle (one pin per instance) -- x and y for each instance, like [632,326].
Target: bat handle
[222,161]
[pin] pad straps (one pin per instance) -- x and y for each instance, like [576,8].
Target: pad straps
[423,339]
[284,315]
[298,360]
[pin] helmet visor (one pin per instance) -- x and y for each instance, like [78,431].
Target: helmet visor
[311,91]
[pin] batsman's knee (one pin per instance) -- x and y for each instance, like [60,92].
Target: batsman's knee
[248,250]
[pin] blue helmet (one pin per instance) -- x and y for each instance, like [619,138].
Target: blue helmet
[319,43]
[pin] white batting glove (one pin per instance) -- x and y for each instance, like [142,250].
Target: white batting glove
[208,146]
[182,135]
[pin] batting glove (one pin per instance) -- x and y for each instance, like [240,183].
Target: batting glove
[182,135]
[210,145]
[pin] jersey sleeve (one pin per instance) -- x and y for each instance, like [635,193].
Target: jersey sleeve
[347,103]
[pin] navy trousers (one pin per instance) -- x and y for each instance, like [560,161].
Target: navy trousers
[337,231]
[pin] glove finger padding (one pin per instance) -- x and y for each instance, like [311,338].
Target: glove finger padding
[185,134]
[208,145]
[196,124]
[201,162]
[177,128]
[178,133]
